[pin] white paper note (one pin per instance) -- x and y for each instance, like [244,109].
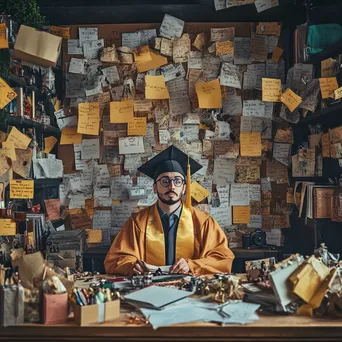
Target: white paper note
[239,194]
[90,149]
[74,47]
[224,171]
[171,27]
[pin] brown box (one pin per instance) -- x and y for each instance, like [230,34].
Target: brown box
[322,202]
[98,313]
[37,47]
[55,308]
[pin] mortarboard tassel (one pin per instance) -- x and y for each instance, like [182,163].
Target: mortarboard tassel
[188,186]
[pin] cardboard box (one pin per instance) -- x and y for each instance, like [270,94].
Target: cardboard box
[37,47]
[55,308]
[99,313]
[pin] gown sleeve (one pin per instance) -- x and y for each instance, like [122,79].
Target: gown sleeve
[215,256]
[124,251]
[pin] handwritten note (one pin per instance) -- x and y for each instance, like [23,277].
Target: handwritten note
[268,28]
[290,99]
[49,142]
[131,145]
[281,152]
[8,227]
[171,27]
[250,144]
[200,41]
[3,36]
[53,207]
[209,94]
[338,93]
[328,85]
[181,49]
[21,189]
[155,88]
[102,219]
[19,139]
[259,48]
[74,47]
[198,192]
[241,214]
[231,75]
[121,111]
[70,136]
[271,90]
[22,164]
[239,194]
[224,48]
[242,50]
[224,171]
[88,118]
[142,105]
[87,34]
[254,108]
[137,126]
[263,5]
[222,34]
[77,66]
[94,235]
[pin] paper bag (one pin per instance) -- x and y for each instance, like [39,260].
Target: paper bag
[11,305]
[55,308]
[37,47]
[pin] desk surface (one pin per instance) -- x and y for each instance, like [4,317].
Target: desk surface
[268,328]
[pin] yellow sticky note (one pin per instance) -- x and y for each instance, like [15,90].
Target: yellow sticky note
[8,227]
[142,54]
[271,89]
[209,94]
[224,48]
[250,144]
[198,192]
[57,105]
[241,214]
[70,136]
[50,142]
[156,62]
[121,111]
[137,126]
[277,53]
[3,37]
[8,150]
[7,94]
[19,139]
[155,88]
[88,118]
[328,85]
[338,93]
[290,99]
[94,235]
[22,188]
[63,32]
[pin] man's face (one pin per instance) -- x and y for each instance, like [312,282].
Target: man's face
[170,192]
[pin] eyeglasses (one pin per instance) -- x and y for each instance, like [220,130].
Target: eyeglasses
[166,181]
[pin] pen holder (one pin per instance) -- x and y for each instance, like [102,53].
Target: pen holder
[11,305]
[55,308]
[97,313]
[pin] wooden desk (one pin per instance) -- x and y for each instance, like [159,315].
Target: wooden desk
[268,328]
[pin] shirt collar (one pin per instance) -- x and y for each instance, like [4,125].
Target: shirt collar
[177,212]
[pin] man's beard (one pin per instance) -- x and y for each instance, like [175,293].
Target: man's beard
[169,201]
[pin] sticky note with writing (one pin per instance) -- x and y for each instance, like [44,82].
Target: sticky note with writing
[7,94]
[250,144]
[198,192]
[63,32]
[209,94]
[3,37]
[21,188]
[49,143]
[88,118]
[8,227]
[241,214]
[155,88]
[277,53]
[290,99]
[271,90]
[142,54]
[70,136]
[224,48]
[121,111]
[328,85]
[19,139]
[137,126]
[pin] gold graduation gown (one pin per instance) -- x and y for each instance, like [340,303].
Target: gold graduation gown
[200,241]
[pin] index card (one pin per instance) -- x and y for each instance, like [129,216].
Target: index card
[171,27]
[131,145]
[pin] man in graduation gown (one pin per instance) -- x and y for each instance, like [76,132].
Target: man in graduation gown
[170,232]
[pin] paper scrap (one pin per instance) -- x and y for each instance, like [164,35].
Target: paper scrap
[171,27]
[131,145]
[7,94]
[328,85]
[290,99]
[70,136]
[224,48]
[88,118]
[137,126]
[155,88]
[121,111]
[49,143]
[20,140]
[250,144]
[21,189]
[8,227]
[209,94]
[198,192]
[271,90]
[156,62]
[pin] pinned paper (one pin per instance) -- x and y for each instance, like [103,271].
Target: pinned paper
[328,67]
[338,93]
[88,118]
[290,99]
[49,143]
[198,192]
[156,62]
[277,53]
[19,139]
[155,88]
[94,235]
[328,85]
[22,165]
[268,28]
[3,37]
[8,150]
[7,94]
[53,207]
[250,144]
[121,111]
[63,32]
[142,54]
[21,189]
[224,48]
[241,214]
[209,94]
[70,136]
[271,90]
[137,126]
[8,227]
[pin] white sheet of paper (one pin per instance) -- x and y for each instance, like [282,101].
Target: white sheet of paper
[239,194]
[273,237]
[224,194]
[111,74]
[131,145]
[281,152]
[102,219]
[242,50]
[171,27]
[87,34]
[68,121]
[51,168]
[263,5]
[195,60]
[254,192]
[121,212]
[255,222]
[223,215]
[233,105]
[231,76]
[74,47]
[219,4]
[164,136]
[102,177]
[76,66]
[253,108]
[90,149]
[224,171]
[77,202]
[172,71]
[120,187]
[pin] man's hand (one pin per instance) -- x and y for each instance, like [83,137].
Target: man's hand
[180,266]
[139,267]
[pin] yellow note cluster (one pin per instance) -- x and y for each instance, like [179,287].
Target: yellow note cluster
[21,188]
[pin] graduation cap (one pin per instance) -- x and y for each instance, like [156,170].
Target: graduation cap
[170,160]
